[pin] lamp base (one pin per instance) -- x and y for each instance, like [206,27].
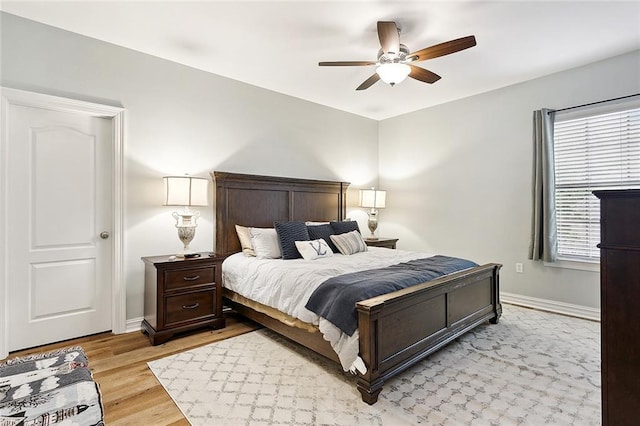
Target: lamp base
[186,234]
[372,223]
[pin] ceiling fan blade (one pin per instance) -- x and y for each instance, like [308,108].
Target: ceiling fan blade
[442,49]
[369,82]
[423,75]
[346,63]
[389,36]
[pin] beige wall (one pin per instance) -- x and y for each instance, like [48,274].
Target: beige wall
[458,175]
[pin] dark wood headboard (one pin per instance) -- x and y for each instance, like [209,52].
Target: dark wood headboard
[259,201]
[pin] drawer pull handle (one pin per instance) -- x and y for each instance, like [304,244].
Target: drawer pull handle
[194,306]
[193,278]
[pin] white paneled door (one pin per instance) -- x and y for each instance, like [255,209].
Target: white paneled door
[59,225]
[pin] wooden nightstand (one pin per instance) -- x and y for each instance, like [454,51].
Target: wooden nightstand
[180,295]
[382,242]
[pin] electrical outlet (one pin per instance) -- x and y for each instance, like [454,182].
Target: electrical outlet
[519,268]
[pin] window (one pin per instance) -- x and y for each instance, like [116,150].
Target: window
[594,148]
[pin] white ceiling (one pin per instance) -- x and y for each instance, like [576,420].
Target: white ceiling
[277,45]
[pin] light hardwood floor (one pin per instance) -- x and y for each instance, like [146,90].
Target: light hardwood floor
[131,395]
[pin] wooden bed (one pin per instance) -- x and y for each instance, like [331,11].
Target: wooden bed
[396,330]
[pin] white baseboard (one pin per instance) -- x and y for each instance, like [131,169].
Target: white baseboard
[551,306]
[134,324]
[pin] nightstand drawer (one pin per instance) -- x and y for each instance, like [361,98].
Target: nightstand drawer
[189,306]
[181,278]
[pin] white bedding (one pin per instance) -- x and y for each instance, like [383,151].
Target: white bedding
[287,285]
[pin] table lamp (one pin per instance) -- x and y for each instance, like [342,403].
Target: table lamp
[373,199]
[186,191]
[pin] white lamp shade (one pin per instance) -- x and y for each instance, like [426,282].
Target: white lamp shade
[373,198]
[393,73]
[185,191]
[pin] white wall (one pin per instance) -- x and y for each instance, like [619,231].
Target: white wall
[458,175]
[181,120]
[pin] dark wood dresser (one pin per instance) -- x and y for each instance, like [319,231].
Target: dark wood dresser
[181,294]
[620,305]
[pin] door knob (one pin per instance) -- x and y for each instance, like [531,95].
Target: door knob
[104,235]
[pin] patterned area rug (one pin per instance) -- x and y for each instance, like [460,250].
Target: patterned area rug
[48,389]
[532,368]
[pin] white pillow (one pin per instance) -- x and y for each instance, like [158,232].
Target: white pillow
[349,242]
[312,250]
[265,243]
[245,240]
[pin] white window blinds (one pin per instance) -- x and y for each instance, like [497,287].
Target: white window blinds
[592,152]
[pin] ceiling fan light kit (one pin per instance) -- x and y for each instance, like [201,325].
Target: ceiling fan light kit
[395,63]
[393,73]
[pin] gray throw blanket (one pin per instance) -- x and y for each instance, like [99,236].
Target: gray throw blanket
[336,298]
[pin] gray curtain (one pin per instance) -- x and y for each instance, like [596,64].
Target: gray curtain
[544,241]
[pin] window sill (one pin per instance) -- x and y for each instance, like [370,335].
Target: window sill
[575,264]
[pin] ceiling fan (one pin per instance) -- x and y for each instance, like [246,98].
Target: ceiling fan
[395,62]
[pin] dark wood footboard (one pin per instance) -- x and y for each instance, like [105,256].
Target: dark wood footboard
[401,328]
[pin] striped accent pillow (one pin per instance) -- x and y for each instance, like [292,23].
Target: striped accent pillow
[349,242]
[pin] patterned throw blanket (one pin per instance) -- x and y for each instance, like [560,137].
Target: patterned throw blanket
[336,298]
[48,389]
